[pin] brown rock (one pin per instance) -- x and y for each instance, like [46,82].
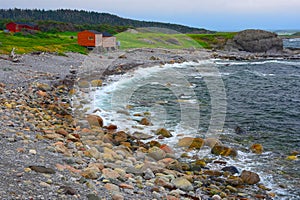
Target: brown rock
[145,122]
[42,169]
[96,83]
[112,187]
[249,177]
[191,143]
[126,186]
[223,151]
[109,173]
[120,136]
[156,153]
[95,121]
[90,173]
[164,132]
[256,148]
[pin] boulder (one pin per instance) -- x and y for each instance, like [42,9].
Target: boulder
[95,121]
[223,151]
[164,132]
[250,177]
[255,41]
[191,143]
[256,148]
[156,153]
[183,184]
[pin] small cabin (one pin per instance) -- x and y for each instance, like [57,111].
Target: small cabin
[19,26]
[91,38]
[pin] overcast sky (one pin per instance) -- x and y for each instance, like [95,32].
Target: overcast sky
[210,14]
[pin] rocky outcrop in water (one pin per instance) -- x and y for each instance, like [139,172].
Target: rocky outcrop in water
[255,41]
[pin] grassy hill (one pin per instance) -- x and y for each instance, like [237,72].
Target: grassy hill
[138,39]
[46,42]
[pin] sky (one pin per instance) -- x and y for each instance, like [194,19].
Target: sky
[219,15]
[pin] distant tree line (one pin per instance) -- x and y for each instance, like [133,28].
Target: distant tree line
[77,20]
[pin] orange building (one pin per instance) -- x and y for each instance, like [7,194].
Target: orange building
[91,38]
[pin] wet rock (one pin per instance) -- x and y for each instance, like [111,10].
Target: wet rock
[42,169]
[183,184]
[234,181]
[231,169]
[156,153]
[96,83]
[223,151]
[145,121]
[191,143]
[256,148]
[95,121]
[164,132]
[249,177]
[239,130]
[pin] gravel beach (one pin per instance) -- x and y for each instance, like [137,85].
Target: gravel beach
[46,153]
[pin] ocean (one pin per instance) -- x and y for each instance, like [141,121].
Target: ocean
[211,98]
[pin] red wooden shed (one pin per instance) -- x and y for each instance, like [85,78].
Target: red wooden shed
[18,26]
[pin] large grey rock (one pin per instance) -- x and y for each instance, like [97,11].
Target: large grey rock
[255,41]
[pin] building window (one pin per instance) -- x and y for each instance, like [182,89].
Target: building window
[91,38]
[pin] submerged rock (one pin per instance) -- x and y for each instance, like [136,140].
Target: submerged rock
[256,148]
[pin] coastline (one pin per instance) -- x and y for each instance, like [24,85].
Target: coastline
[30,137]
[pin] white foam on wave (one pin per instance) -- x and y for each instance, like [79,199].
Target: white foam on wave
[261,62]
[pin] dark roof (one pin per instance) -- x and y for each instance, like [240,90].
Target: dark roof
[93,31]
[25,23]
[105,34]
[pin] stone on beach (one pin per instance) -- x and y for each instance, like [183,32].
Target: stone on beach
[191,143]
[95,121]
[256,148]
[223,151]
[164,132]
[250,177]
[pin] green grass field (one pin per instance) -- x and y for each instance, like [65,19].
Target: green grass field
[67,41]
[173,41]
[46,42]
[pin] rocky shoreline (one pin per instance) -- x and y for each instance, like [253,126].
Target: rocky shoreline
[51,150]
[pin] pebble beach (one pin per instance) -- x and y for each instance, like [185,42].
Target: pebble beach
[52,149]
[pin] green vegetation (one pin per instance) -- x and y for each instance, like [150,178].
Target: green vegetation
[173,41]
[215,40]
[26,42]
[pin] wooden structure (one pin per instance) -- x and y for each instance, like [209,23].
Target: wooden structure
[19,26]
[91,38]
